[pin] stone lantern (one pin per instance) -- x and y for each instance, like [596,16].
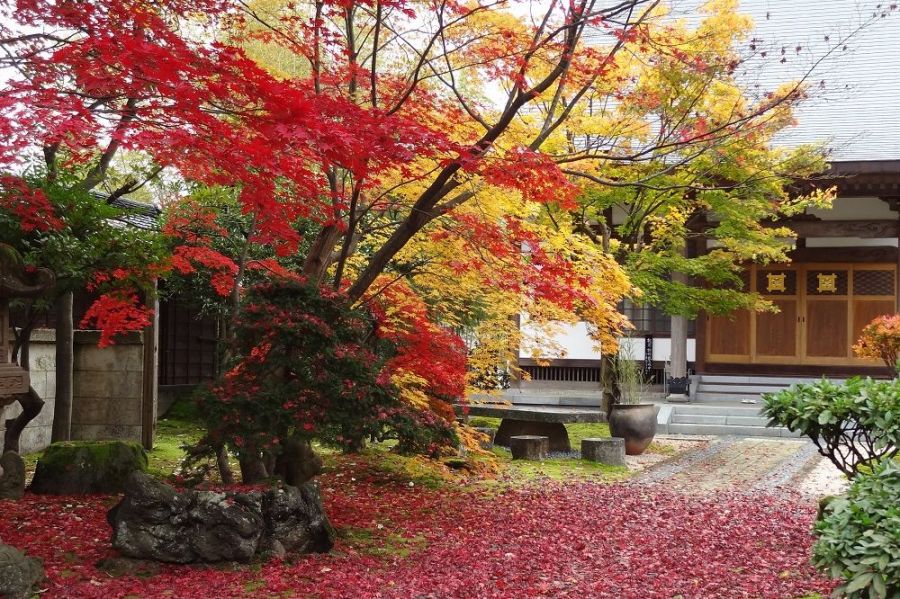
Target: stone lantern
[16,281]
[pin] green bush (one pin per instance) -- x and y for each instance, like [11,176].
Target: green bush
[309,366]
[859,536]
[855,425]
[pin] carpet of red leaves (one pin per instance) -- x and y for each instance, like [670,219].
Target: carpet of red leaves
[553,540]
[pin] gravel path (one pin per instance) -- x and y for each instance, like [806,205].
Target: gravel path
[747,464]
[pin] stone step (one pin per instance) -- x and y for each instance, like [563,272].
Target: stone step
[737,409]
[783,381]
[723,419]
[746,420]
[749,389]
[679,418]
[726,430]
[735,397]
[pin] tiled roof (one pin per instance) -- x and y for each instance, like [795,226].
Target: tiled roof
[137,214]
[855,92]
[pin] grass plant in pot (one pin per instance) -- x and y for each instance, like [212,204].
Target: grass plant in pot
[628,417]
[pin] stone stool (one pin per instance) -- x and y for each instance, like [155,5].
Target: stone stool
[529,447]
[606,450]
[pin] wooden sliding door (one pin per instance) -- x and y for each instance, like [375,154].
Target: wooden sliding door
[873,295]
[776,334]
[729,337]
[821,310]
[827,312]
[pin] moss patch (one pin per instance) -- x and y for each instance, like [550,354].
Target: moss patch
[392,467]
[87,467]
[558,469]
[579,431]
[172,434]
[31,460]
[380,543]
[662,449]
[485,422]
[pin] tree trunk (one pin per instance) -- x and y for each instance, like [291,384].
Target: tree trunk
[297,463]
[608,384]
[253,468]
[62,415]
[320,254]
[31,404]
[225,472]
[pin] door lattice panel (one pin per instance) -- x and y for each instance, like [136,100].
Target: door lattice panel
[873,282]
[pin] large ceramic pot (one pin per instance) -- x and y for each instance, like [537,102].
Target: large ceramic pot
[636,423]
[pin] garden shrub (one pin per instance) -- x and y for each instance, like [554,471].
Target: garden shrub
[880,339]
[309,366]
[854,425]
[859,536]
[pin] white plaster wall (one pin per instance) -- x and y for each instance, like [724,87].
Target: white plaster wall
[662,348]
[568,341]
[572,342]
[107,391]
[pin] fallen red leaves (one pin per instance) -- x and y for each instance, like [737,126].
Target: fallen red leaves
[577,540]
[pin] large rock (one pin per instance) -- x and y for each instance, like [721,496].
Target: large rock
[18,573]
[12,476]
[87,467]
[153,521]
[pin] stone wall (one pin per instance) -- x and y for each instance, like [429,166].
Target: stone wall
[107,387]
[42,361]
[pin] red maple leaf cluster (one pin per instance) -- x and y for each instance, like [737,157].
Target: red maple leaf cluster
[116,312]
[553,540]
[433,352]
[30,206]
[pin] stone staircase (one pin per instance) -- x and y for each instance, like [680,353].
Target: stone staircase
[716,419]
[712,387]
[726,405]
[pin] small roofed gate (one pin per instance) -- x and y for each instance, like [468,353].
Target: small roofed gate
[188,345]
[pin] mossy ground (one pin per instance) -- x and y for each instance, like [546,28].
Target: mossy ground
[375,542]
[558,469]
[577,431]
[181,427]
[172,434]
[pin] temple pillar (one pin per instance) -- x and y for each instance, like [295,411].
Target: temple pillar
[678,381]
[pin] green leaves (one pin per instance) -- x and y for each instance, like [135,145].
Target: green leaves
[308,365]
[826,417]
[859,536]
[854,424]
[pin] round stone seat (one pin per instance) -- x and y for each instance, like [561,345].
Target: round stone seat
[606,450]
[529,447]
